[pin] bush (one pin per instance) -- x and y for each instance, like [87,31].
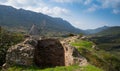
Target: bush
[7,39]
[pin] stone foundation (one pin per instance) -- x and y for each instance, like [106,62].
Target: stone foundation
[44,53]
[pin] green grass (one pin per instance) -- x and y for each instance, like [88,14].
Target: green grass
[85,48]
[62,68]
[82,43]
[91,68]
[99,58]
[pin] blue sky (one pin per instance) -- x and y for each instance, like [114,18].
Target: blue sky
[83,14]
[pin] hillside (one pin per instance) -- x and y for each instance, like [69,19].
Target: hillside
[22,20]
[108,41]
[115,30]
[93,49]
[26,49]
[97,30]
[97,55]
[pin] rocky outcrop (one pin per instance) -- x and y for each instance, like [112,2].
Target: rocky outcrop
[44,53]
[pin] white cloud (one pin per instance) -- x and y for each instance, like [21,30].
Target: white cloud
[86,2]
[103,4]
[93,8]
[110,3]
[115,11]
[23,3]
[114,4]
[66,1]
[38,6]
[54,11]
[62,1]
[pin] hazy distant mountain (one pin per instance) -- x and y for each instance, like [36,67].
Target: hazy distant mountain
[108,39]
[115,30]
[22,20]
[97,30]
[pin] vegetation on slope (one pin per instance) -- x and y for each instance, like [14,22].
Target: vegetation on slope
[97,57]
[108,43]
[7,39]
[62,68]
[110,31]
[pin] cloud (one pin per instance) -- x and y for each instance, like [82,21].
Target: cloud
[115,11]
[114,4]
[63,1]
[66,1]
[37,6]
[86,2]
[110,3]
[103,4]
[94,7]
[2,1]
[54,11]
[23,3]
[91,9]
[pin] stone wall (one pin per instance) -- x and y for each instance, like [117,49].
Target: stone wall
[49,53]
[72,56]
[21,54]
[44,53]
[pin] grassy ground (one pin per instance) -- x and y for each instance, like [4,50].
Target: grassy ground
[62,68]
[82,43]
[99,58]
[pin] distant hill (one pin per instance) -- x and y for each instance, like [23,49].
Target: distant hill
[97,30]
[22,20]
[110,31]
[108,39]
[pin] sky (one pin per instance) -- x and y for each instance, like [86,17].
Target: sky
[83,14]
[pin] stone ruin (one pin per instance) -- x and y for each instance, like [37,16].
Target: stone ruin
[43,53]
[49,52]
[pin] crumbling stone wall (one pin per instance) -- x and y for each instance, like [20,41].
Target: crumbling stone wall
[44,53]
[21,54]
[72,56]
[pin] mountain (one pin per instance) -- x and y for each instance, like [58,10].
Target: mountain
[115,30]
[97,30]
[108,40]
[22,20]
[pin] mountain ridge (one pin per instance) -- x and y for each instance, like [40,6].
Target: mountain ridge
[14,19]
[96,30]
[115,30]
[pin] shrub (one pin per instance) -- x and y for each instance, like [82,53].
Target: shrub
[7,39]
